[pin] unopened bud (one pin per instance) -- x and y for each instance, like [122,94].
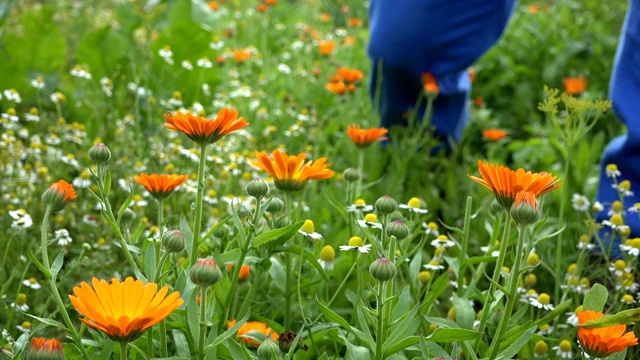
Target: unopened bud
[398,229]
[525,209]
[45,349]
[205,273]
[383,269]
[269,349]
[100,153]
[173,241]
[257,188]
[275,206]
[351,175]
[58,195]
[386,205]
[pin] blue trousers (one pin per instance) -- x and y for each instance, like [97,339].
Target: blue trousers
[443,37]
[624,151]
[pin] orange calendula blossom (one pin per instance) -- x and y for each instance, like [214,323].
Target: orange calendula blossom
[326,47]
[58,195]
[253,328]
[290,172]
[494,134]
[350,75]
[575,85]
[42,348]
[123,310]
[363,138]
[430,84]
[601,342]
[160,185]
[506,183]
[336,87]
[202,130]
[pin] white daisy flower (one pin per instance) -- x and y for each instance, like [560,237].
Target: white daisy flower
[597,206]
[356,243]
[414,205]
[186,64]
[443,241]
[370,220]
[580,202]
[543,301]
[61,237]
[634,209]
[433,265]
[564,349]
[612,171]
[31,283]
[359,205]
[22,220]
[431,228]
[308,230]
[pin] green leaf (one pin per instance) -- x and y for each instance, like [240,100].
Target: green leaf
[150,261]
[107,183]
[515,346]
[437,288]
[182,345]
[57,265]
[621,355]
[355,352]
[596,298]
[237,223]
[452,335]
[276,271]
[626,317]
[464,312]
[401,345]
[188,235]
[215,228]
[125,205]
[107,350]
[48,321]
[279,235]
[33,259]
[193,321]
[333,317]
[232,331]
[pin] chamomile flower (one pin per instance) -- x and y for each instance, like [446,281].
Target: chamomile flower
[616,222]
[31,283]
[572,320]
[631,246]
[356,243]
[616,208]
[433,265]
[585,243]
[634,209]
[628,299]
[541,349]
[597,206]
[107,86]
[414,205]
[204,63]
[542,302]
[628,283]
[187,65]
[327,257]
[25,327]
[370,220]
[545,329]
[21,303]
[359,205]
[612,171]
[619,267]
[494,253]
[308,230]
[443,241]
[101,244]
[21,220]
[624,188]
[580,202]
[431,228]
[61,237]
[38,82]
[166,54]
[564,349]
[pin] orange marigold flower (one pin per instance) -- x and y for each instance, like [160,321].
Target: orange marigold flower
[326,47]
[506,183]
[363,138]
[202,130]
[350,75]
[494,134]
[349,40]
[430,84]
[160,185]
[241,55]
[533,8]
[58,195]
[478,101]
[244,271]
[355,22]
[324,18]
[41,348]
[221,60]
[123,310]
[575,85]
[252,328]
[262,7]
[213,5]
[472,73]
[271,2]
[290,172]
[336,87]
[601,342]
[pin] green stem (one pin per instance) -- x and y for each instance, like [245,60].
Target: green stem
[160,231]
[465,244]
[512,296]
[380,337]
[203,324]
[43,237]
[504,243]
[563,201]
[360,172]
[287,291]
[199,196]
[123,351]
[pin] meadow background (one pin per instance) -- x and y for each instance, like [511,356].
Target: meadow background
[77,73]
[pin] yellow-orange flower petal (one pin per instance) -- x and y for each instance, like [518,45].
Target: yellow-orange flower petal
[159,185]
[253,326]
[494,134]
[350,75]
[602,342]
[363,138]
[430,84]
[203,130]
[506,183]
[575,85]
[123,310]
[290,172]
[326,47]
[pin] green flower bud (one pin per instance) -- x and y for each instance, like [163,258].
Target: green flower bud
[386,205]
[382,269]
[173,241]
[396,215]
[524,210]
[398,229]
[351,175]
[276,205]
[257,188]
[268,349]
[44,349]
[100,153]
[205,273]
[58,195]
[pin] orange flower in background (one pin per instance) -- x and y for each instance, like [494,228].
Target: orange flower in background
[326,47]
[506,183]
[324,18]
[241,55]
[355,22]
[221,60]
[253,327]
[336,87]
[290,172]
[350,75]
[575,85]
[430,84]
[123,310]
[41,348]
[262,7]
[601,342]
[472,73]
[159,185]
[533,8]
[213,5]
[478,101]
[202,130]
[349,40]
[244,271]
[494,134]
[58,195]
[363,138]
[270,2]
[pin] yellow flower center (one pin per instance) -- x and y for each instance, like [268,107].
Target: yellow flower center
[533,259]
[32,281]
[360,202]
[544,327]
[616,219]
[372,218]
[541,347]
[616,206]
[26,325]
[619,265]
[584,239]
[573,280]
[424,276]
[532,292]
[355,241]
[530,280]
[439,251]
[308,227]
[628,298]
[414,202]
[572,268]
[442,238]
[434,263]
[625,185]
[544,299]
[433,226]
[612,167]
[565,345]
[21,299]
[327,253]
